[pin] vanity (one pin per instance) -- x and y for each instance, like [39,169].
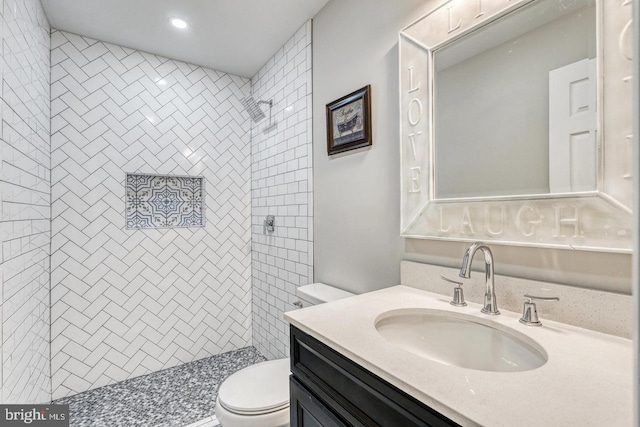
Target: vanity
[348,371]
[328,389]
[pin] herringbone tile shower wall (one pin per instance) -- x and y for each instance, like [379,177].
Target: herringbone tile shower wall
[282,186]
[129,302]
[25,195]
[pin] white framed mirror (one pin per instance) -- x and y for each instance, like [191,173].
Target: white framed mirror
[515,120]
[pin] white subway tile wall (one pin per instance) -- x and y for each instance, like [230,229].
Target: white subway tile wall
[130,302]
[25,194]
[282,186]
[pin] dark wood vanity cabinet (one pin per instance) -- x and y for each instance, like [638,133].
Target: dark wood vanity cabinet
[327,389]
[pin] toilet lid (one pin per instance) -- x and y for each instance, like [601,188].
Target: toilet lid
[257,389]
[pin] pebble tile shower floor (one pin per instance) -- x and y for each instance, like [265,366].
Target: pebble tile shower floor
[173,397]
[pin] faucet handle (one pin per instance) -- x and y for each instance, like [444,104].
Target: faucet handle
[530,312]
[458,295]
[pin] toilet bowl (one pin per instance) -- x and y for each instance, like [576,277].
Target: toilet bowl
[258,396]
[255,396]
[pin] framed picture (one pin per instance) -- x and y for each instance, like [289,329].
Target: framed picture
[349,122]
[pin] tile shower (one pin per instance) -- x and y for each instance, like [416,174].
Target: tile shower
[108,301]
[25,189]
[130,302]
[282,185]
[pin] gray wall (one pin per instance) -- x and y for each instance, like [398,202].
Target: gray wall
[357,241]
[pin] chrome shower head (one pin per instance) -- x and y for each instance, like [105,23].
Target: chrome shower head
[253,107]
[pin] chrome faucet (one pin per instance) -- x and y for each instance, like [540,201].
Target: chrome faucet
[490,303]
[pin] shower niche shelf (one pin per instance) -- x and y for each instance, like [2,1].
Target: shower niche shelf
[164,201]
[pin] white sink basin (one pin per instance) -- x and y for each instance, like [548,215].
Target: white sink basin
[460,340]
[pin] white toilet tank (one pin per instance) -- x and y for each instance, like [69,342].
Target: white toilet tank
[318,293]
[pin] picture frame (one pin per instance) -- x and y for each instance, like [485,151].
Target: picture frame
[349,122]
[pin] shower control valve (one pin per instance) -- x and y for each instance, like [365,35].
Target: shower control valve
[269,224]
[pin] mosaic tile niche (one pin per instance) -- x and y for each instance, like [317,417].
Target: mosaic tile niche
[164,201]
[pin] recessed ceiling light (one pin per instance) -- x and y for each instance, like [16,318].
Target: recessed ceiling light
[179,23]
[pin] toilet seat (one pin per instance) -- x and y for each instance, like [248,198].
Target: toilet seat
[258,389]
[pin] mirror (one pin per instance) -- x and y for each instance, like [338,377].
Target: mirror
[515,123]
[535,73]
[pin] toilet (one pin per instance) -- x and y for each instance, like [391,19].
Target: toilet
[258,396]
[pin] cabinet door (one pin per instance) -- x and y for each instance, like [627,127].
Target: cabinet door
[357,396]
[308,411]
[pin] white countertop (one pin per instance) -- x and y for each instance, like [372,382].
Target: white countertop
[587,380]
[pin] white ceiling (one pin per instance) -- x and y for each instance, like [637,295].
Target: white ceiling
[234,36]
